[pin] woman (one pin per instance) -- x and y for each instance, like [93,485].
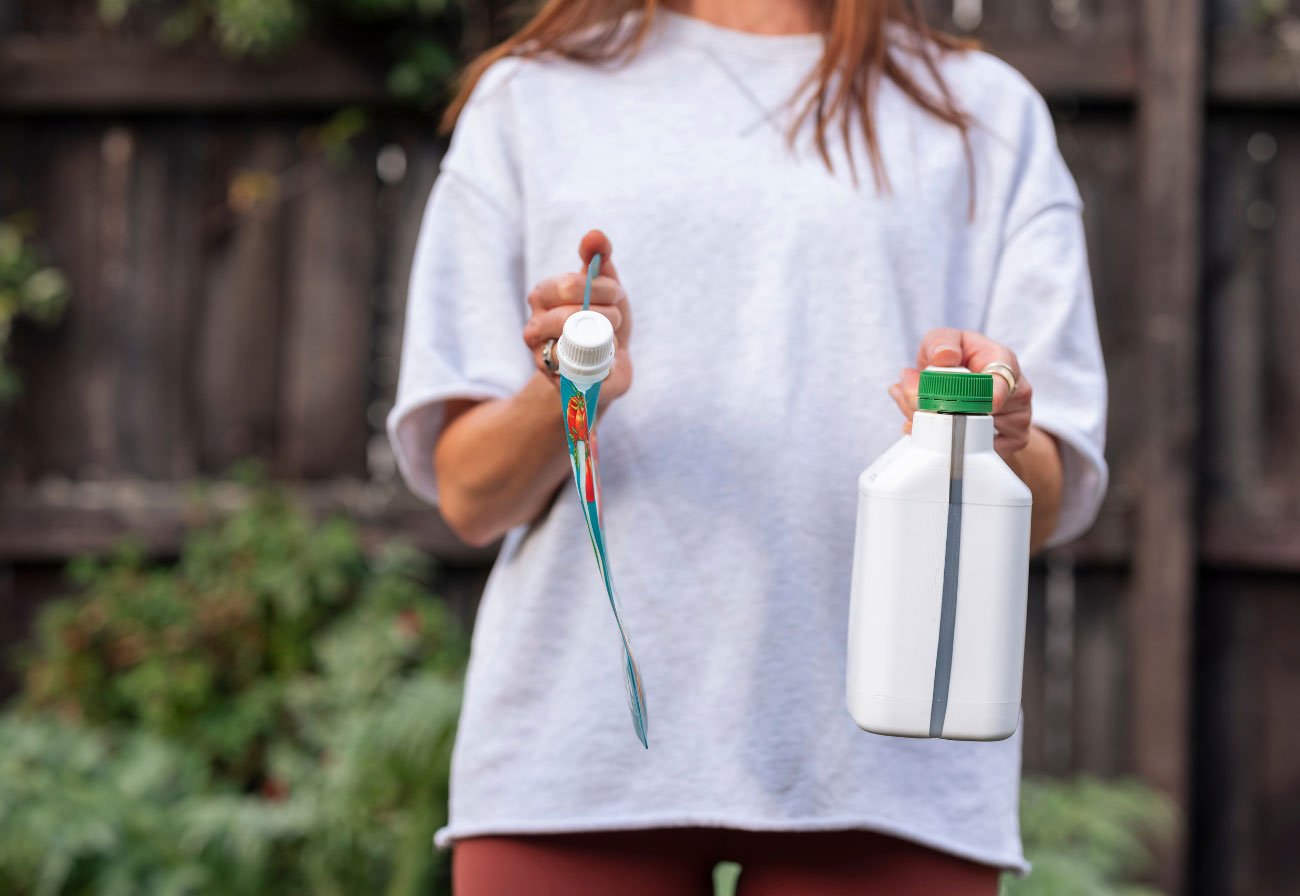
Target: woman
[806,196]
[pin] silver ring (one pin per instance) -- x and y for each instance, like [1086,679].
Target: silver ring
[548,356]
[998,368]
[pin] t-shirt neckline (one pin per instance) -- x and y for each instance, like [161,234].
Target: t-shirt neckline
[680,28]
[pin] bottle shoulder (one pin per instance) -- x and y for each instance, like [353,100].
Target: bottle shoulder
[910,472]
[989,480]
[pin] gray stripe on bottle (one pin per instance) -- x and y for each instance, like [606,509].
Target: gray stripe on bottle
[951,562]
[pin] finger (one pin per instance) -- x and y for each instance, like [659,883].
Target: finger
[540,361]
[1006,446]
[1001,392]
[1013,423]
[604,290]
[941,347]
[910,381]
[907,427]
[549,324]
[568,289]
[981,351]
[1009,401]
[595,241]
[546,294]
[896,393]
[1006,401]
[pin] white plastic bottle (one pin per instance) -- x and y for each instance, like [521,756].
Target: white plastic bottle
[940,571]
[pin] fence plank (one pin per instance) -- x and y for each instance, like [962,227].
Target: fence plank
[1280,218]
[1100,152]
[1101,675]
[1033,714]
[65,414]
[1277,672]
[401,207]
[1258,68]
[79,70]
[1169,138]
[87,74]
[239,327]
[153,404]
[1249,759]
[1252,516]
[57,519]
[331,290]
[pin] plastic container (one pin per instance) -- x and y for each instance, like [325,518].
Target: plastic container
[940,571]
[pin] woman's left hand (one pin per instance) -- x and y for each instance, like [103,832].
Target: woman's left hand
[946,347]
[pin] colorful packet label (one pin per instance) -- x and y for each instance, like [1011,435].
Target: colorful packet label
[580,431]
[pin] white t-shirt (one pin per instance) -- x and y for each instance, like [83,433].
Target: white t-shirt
[773,305]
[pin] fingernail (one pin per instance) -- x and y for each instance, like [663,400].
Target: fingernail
[946,348]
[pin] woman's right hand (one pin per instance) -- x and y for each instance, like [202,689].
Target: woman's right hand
[556,298]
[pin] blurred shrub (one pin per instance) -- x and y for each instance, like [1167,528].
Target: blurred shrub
[419,39]
[1088,837]
[28,289]
[274,714]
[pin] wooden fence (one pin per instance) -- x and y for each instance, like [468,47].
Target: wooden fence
[239,294]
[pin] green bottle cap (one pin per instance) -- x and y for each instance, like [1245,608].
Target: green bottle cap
[955,392]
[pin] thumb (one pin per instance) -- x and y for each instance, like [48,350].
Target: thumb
[941,347]
[596,243]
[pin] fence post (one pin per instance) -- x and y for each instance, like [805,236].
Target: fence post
[1170,118]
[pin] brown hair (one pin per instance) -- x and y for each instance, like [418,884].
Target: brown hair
[841,85]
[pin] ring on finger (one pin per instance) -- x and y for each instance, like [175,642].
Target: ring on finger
[998,368]
[548,357]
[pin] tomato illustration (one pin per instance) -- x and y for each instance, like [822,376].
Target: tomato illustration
[576,417]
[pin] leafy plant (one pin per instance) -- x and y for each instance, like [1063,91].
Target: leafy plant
[420,39]
[28,289]
[275,713]
[1088,837]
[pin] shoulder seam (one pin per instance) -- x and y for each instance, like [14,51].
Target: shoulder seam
[478,190]
[1064,203]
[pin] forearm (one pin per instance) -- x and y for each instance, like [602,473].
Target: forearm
[498,463]
[1038,465]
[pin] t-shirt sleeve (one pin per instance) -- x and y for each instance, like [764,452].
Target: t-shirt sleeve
[1042,308]
[466,305]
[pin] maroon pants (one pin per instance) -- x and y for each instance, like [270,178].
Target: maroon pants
[679,862]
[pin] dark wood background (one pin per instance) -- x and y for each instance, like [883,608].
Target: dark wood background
[239,294]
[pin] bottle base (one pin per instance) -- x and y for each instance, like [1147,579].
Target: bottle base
[900,717]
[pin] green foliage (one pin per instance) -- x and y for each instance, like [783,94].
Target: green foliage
[419,38]
[274,714]
[92,812]
[28,289]
[257,27]
[425,63]
[1088,837]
